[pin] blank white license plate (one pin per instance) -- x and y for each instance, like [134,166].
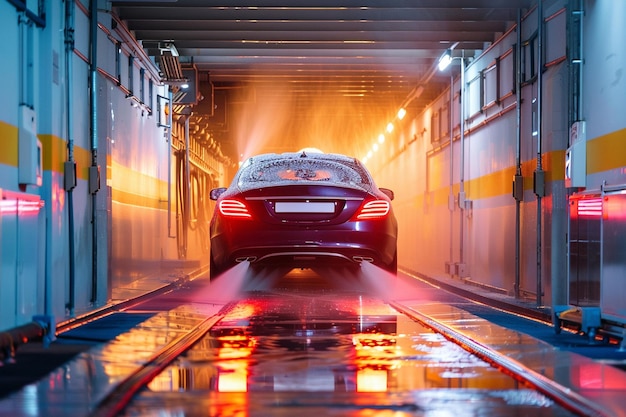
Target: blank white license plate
[304,207]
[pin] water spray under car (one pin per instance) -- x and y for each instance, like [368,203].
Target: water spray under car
[302,210]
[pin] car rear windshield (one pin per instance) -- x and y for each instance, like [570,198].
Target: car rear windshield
[284,171]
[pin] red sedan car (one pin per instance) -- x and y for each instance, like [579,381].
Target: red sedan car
[302,210]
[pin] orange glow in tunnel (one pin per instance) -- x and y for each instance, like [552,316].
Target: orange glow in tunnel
[267,126]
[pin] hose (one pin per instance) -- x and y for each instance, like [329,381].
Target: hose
[26,333]
[182,211]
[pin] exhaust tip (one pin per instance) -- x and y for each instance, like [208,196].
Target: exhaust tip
[245,258]
[360,259]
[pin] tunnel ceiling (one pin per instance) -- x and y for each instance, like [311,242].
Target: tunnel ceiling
[345,66]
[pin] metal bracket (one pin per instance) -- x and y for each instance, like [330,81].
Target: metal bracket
[49,326]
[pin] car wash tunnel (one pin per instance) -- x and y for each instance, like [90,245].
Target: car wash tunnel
[270,208]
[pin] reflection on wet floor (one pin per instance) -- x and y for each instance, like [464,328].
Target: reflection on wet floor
[311,351]
[424,403]
[287,350]
[311,343]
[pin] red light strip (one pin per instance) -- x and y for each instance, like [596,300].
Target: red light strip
[20,206]
[591,207]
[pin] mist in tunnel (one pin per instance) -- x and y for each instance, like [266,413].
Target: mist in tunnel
[257,122]
[226,287]
[282,118]
[235,282]
[366,279]
[385,285]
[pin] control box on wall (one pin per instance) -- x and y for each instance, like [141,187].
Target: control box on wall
[576,157]
[30,165]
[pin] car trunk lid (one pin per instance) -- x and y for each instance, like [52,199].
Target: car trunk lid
[306,204]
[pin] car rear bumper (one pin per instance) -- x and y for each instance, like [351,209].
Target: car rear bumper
[301,257]
[374,243]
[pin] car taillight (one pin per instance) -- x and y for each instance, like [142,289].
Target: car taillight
[234,208]
[374,209]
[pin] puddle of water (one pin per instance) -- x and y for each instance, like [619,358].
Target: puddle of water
[317,350]
[424,403]
[285,343]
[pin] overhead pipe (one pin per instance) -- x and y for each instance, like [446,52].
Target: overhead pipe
[187,185]
[183,189]
[70,164]
[518,180]
[461,200]
[169,163]
[581,12]
[451,192]
[461,197]
[94,179]
[539,180]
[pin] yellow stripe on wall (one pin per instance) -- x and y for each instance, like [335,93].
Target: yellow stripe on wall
[606,152]
[136,182]
[83,162]
[136,188]
[554,165]
[490,185]
[8,144]
[501,182]
[440,197]
[137,200]
[54,152]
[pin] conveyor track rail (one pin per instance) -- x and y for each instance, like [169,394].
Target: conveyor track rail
[121,395]
[567,398]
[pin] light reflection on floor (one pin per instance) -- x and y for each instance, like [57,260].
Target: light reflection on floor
[312,343]
[317,353]
[308,344]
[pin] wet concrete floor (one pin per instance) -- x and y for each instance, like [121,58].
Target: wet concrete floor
[310,350]
[301,345]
